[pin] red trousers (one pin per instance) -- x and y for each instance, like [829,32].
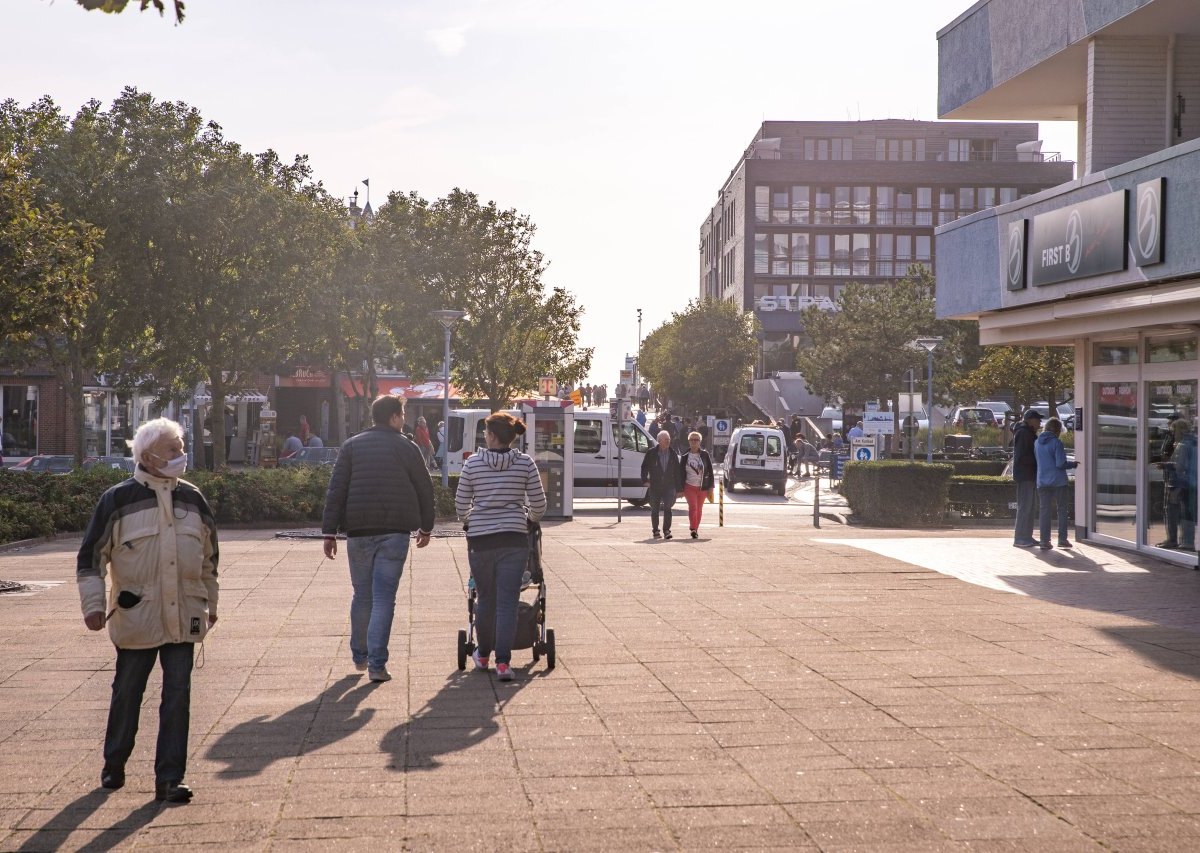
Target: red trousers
[695,500]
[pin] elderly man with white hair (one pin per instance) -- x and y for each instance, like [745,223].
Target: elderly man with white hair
[663,473]
[153,538]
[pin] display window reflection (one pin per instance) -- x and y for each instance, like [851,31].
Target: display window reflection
[1170,497]
[1115,477]
[18,420]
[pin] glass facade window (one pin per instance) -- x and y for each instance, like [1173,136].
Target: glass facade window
[1115,477]
[799,205]
[762,204]
[779,254]
[780,205]
[822,262]
[823,205]
[1109,353]
[884,254]
[1170,348]
[904,206]
[924,205]
[861,254]
[1008,194]
[904,252]
[923,242]
[841,254]
[1169,505]
[885,201]
[761,255]
[800,254]
[987,197]
[862,205]
[841,205]
[966,198]
[18,420]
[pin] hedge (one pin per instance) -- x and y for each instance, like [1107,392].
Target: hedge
[35,505]
[897,493]
[987,497]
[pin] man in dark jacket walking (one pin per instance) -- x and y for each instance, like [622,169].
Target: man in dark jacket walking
[663,473]
[1025,475]
[379,495]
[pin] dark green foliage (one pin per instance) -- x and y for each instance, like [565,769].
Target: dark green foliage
[986,497]
[33,505]
[897,494]
[977,467]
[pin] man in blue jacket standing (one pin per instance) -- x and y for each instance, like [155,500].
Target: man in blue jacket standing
[1025,475]
[380,494]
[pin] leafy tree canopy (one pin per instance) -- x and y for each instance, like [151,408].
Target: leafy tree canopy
[863,350]
[1032,374]
[115,6]
[702,356]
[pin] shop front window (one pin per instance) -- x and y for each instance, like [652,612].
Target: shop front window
[1115,476]
[95,417]
[18,420]
[1170,511]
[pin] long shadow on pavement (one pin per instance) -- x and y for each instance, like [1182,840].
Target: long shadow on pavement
[53,834]
[1154,591]
[251,747]
[1166,648]
[460,715]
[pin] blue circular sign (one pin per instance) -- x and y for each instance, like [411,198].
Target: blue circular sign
[863,454]
[722,426]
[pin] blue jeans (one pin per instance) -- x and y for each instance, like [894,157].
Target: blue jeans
[376,565]
[1050,497]
[1026,501]
[174,711]
[497,573]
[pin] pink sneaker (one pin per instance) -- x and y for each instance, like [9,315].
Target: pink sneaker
[504,672]
[480,662]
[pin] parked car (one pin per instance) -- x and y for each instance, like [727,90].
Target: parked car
[973,417]
[44,464]
[311,456]
[999,408]
[119,463]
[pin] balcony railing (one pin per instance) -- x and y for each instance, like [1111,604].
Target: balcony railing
[973,157]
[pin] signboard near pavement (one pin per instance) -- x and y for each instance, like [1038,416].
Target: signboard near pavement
[625,410]
[862,449]
[878,423]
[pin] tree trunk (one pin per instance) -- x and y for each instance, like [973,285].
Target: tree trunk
[216,390]
[335,437]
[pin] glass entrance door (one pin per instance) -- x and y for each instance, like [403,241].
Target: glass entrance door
[1169,516]
[1114,496]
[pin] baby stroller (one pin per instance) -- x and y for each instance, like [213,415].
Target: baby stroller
[532,632]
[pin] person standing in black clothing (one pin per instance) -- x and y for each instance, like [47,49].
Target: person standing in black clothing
[663,473]
[1025,475]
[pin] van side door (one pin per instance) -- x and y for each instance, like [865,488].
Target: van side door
[591,458]
[633,441]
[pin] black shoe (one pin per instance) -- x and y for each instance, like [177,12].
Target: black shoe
[1167,544]
[695,535]
[667,535]
[1045,546]
[172,792]
[657,534]
[112,778]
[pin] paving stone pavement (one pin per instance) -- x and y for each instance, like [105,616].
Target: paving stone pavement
[769,686]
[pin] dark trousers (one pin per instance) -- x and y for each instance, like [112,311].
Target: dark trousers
[661,500]
[174,711]
[1051,499]
[1026,509]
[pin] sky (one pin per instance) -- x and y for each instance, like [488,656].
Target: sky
[612,126]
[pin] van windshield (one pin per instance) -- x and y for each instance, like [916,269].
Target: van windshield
[752,445]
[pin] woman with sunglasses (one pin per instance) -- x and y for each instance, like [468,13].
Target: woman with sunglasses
[698,480]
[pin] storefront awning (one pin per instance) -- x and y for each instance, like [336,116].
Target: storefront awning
[244,397]
[432,390]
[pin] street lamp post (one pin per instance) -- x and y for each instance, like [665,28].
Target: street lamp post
[447,317]
[929,345]
[637,361]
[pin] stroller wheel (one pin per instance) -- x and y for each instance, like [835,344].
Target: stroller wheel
[537,652]
[549,648]
[462,650]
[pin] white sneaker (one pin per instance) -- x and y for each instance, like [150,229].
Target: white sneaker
[480,662]
[504,672]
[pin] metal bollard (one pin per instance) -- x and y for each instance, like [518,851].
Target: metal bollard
[817,500]
[721,502]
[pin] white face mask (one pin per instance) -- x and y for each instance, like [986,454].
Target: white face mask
[174,467]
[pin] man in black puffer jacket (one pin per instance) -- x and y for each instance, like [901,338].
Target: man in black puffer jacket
[379,495]
[1025,475]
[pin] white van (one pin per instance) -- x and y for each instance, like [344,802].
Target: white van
[757,457]
[596,451]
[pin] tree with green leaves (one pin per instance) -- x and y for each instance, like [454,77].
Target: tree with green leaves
[1032,374]
[480,259]
[862,350]
[701,358]
[117,6]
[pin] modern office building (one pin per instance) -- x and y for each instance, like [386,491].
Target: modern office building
[812,206]
[1109,263]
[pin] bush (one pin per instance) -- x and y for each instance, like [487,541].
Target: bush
[987,497]
[896,493]
[976,467]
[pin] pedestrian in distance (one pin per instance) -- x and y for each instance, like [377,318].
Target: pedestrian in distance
[1025,476]
[379,495]
[423,441]
[154,538]
[1173,492]
[499,494]
[663,474]
[1052,482]
[439,446]
[806,455]
[291,445]
[698,480]
[1185,481]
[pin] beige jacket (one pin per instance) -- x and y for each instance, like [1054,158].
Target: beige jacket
[155,538]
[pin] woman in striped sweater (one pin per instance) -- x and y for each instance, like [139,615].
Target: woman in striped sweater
[499,493]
